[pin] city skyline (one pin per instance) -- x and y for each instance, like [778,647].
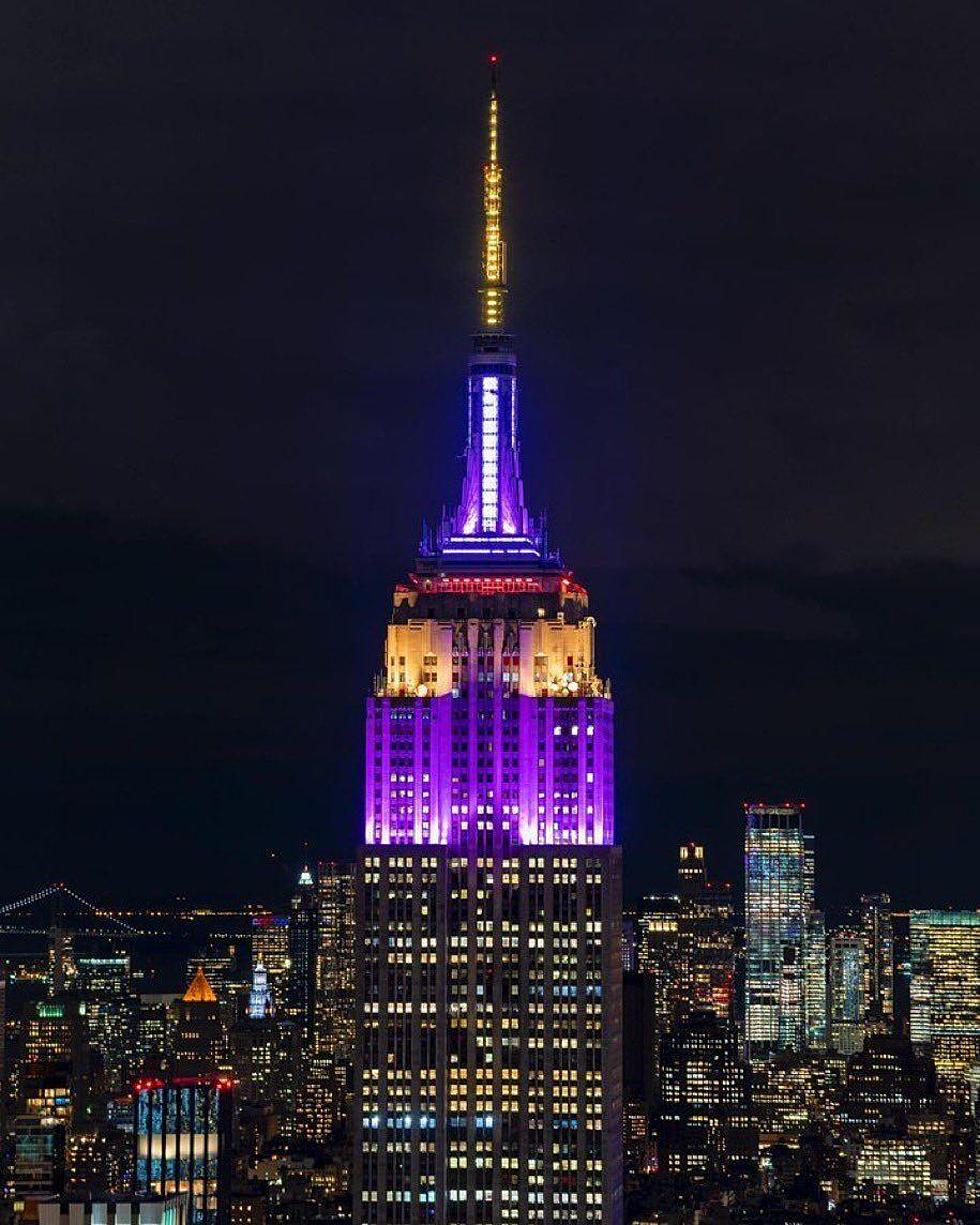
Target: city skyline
[633,878]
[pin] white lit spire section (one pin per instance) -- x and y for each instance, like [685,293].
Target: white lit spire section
[489,469]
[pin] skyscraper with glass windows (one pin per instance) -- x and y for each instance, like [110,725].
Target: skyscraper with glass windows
[845,982]
[785,952]
[488,1062]
[945,1012]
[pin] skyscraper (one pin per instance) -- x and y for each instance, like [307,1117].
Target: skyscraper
[335,904]
[488,1062]
[301,974]
[945,946]
[182,1141]
[199,1039]
[878,969]
[845,968]
[785,957]
[705,938]
[259,1004]
[270,945]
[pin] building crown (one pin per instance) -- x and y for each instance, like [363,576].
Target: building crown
[200,992]
[491,525]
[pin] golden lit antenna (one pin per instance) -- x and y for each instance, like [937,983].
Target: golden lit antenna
[494,248]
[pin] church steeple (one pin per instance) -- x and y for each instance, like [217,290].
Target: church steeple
[491,524]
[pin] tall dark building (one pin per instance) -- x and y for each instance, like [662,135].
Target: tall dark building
[878,965]
[886,1082]
[335,916]
[487,1085]
[705,1129]
[705,939]
[301,975]
[198,1038]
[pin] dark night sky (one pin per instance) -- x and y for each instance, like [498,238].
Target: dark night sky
[240,246]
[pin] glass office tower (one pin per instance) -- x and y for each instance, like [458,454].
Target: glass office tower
[785,954]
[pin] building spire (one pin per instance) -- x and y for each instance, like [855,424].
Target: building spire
[493,287]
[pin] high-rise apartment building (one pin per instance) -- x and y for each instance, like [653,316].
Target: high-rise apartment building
[785,954]
[945,991]
[488,1065]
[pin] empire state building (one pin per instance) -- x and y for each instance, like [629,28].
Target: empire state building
[488,1058]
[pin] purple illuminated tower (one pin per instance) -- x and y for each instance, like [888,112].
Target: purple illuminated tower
[489,894]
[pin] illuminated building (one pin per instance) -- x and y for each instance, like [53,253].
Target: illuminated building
[637,1145]
[657,957]
[815,981]
[895,1166]
[785,957]
[249,1204]
[878,968]
[705,1128]
[56,1077]
[321,1096]
[183,1142]
[265,1059]
[198,1040]
[945,991]
[335,1012]
[219,963]
[705,939]
[790,1092]
[258,1000]
[887,1081]
[845,975]
[303,954]
[97,1161]
[105,985]
[156,1015]
[270,945]
[487,1083]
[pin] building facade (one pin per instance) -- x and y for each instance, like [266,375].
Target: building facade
[785,953]
[301,974]
[488,1060]
[945,991]
[705,1125]
[705,938]
[878,957]
[182,1143]
[845,983]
